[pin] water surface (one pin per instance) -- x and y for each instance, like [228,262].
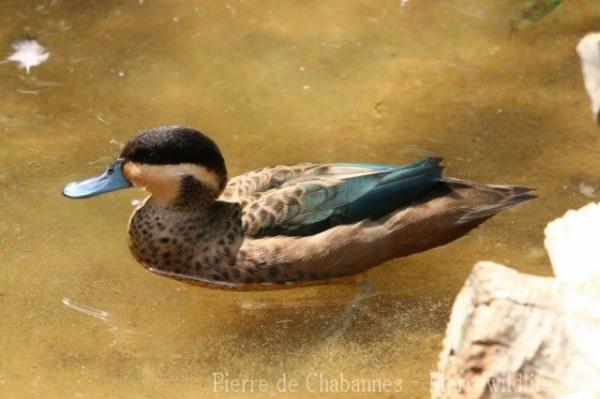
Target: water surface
[272,82]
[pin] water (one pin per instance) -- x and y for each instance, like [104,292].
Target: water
[272,82]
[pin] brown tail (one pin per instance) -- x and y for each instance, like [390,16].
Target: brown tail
[499,198]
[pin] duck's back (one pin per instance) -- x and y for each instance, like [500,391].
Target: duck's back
[305,199]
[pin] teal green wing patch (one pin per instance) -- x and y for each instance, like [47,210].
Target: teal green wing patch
[306,200]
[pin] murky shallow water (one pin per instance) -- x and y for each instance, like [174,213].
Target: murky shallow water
[271,82]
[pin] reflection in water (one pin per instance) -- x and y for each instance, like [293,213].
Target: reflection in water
[88,310]
[283,82]
[352,308]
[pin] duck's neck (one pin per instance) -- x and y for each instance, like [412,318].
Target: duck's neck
[193,195]
[181,187]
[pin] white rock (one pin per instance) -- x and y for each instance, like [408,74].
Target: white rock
[573,244]
[589,52]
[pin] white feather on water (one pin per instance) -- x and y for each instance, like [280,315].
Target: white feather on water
[28,53]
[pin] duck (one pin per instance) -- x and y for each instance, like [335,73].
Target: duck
[285,225]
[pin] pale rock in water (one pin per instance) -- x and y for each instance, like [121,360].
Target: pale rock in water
[589,52]
[573,244]
[28,53]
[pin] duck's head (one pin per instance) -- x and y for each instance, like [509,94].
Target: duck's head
[171,162]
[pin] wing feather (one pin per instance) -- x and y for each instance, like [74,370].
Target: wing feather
[305,201]
[304,198]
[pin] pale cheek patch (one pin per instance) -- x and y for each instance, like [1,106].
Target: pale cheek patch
[163,180]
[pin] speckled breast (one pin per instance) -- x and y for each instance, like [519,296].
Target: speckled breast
[188,245]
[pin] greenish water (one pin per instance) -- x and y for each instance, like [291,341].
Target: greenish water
[272,82]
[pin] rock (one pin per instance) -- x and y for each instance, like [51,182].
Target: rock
[513,335]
